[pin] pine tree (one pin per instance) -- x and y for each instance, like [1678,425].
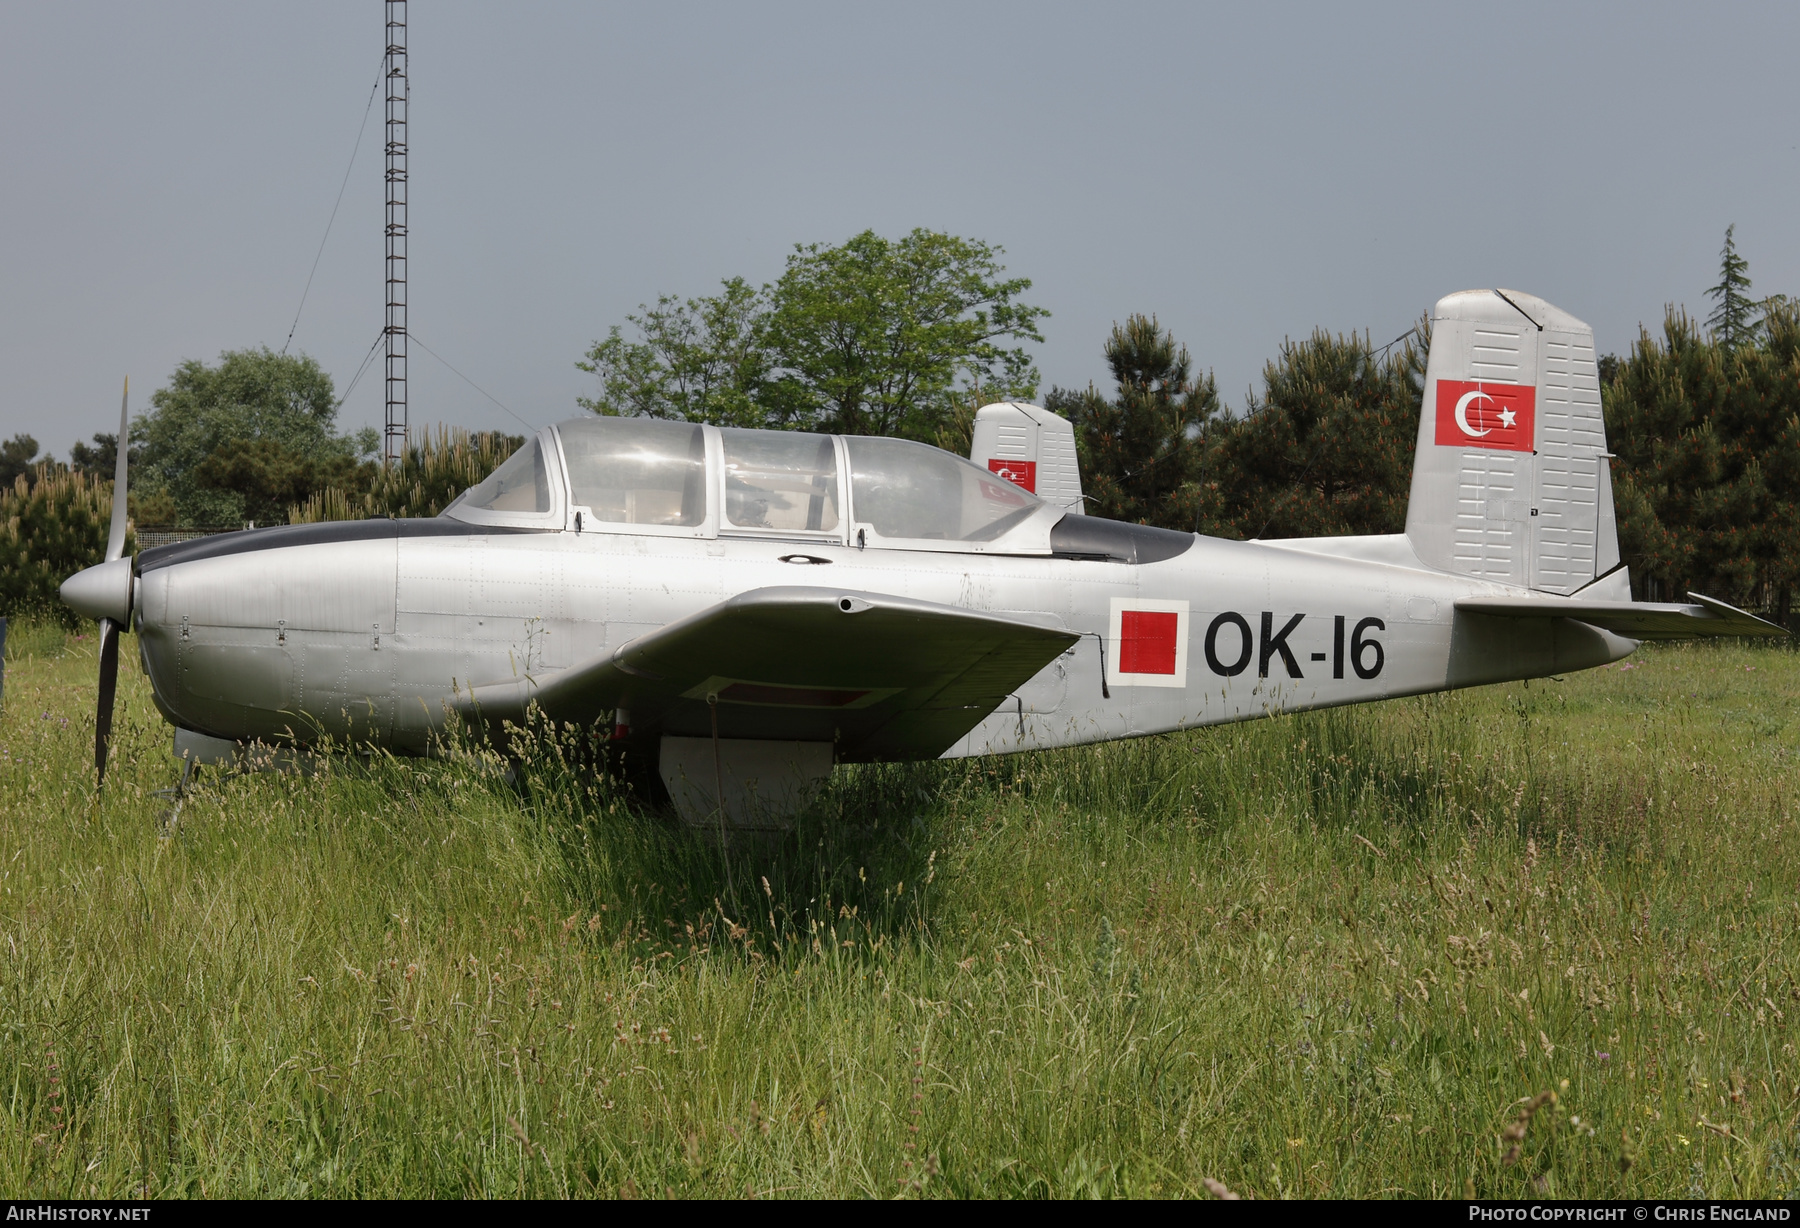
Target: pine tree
[1141,450]
[52,525]
[1707,480]
[1736,319]
[1327,449]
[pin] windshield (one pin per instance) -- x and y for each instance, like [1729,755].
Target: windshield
[636,470]
[780,480]
[521,484]
[904,489]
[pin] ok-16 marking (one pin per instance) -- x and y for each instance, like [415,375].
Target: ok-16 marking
[1366,655]
[1149,641]
[750,607]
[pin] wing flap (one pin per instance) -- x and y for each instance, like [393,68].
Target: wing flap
[1638,620]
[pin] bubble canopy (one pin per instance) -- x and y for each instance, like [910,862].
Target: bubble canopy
[520,484]
[651,477]
[907,490]
[636,471]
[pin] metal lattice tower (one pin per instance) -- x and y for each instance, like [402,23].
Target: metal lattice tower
[394,440]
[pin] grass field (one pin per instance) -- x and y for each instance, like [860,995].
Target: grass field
[1523,940]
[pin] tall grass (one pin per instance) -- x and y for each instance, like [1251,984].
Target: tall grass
[436,467]
[1519,940]
[53,523]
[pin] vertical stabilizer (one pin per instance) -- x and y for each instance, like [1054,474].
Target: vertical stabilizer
[1030,447]
[1510,479]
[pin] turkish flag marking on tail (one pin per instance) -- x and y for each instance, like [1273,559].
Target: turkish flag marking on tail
[1147,641]
[1484,414]
[1018,472]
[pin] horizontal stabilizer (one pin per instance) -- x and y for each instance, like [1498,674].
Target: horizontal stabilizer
[1638,620]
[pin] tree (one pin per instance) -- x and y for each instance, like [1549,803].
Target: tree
[1327,450]
[1140,451]
[18,457]
[702,360]
[1733,320]
[434,470]
[268,477]
[872,337]
[1707,479]
[1737,319]
[98,458]
[250,397]
[50,529]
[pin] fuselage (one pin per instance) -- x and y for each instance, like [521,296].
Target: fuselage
[365,631]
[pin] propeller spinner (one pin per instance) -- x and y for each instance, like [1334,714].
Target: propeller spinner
[103,592]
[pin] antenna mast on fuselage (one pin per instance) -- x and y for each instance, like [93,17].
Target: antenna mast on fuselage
[394,438]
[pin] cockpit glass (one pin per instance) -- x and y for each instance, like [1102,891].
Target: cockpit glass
[636,470]
[520,484]
[780,480]
[904,489]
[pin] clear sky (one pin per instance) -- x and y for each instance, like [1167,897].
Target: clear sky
[1245,172]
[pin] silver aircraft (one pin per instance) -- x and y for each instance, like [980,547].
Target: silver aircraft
[752,607]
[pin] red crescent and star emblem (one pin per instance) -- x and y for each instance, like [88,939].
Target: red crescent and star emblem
[1018,472]
[1485,414]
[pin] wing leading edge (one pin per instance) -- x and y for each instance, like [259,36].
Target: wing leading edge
[1638,620]
[883,677]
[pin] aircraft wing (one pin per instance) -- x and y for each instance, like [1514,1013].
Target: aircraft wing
[1638,620]
[883,677]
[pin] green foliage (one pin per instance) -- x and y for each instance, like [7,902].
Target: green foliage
[280,406]
[872,337]
[1337,954]
[50,529]
[703,360]
[269,478]
[99,458]
[1327,450]
[437,467]
[956,432]
[1707,481]
[1737,319]
[1141,451]
[19,459]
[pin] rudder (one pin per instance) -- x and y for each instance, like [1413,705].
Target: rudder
[1510,478]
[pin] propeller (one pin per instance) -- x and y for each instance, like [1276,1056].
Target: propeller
[104,583]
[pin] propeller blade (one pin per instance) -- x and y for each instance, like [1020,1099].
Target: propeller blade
[115,539]
[109,682]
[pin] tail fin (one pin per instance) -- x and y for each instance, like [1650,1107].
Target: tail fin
[1030,447]
[1510,479]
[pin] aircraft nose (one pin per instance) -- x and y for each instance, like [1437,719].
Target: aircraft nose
[102,591]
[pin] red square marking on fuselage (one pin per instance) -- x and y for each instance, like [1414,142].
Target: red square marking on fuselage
[1147,641]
